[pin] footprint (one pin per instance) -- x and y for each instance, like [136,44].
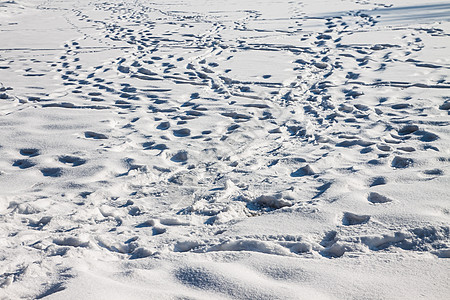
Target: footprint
[445,105]
[377,181]
[148,145]
[384,147]
[146,72]
[433,172]
[245,89]
[400,106]
[72,160]
[401,162]
[408,129]
[304,171]
[351,75]
[181,156]
[361,107]
[163,126]
[329,239]
[334,251]
[160,147]
[354,219]
[23,163]
[122,104]
[428,136]
[194,113]
[123,69]
[236,116]
[182,132]
[30,152]
[52,172]
[366,150]
[128,89]
[426,147]
[376,198]
[158,230]
[406,149]
[233,128]
[322,189]
[95,135]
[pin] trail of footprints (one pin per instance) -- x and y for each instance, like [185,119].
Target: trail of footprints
[143,78]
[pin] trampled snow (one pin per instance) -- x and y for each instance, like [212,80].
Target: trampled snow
[199,149]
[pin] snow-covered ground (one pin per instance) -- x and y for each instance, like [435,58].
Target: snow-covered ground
[214,149]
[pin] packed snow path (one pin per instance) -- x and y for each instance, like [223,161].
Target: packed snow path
[227,149]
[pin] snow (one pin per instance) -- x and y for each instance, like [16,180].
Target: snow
[224,149]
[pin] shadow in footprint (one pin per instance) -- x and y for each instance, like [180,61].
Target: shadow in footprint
[401,162]
[23,163]
[58,287]
[72,160]
[233,127]
[354,219]
[408,129]
[437,172]
[182,132]
[95,135]
[181,156]
[377,181]
[376,198]
[30,152]
[304,171]
[148,145]
[163,126]
[322,189]
[160,147]
[52,172]
[428,136]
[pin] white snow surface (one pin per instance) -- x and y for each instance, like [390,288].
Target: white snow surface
[200,149]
